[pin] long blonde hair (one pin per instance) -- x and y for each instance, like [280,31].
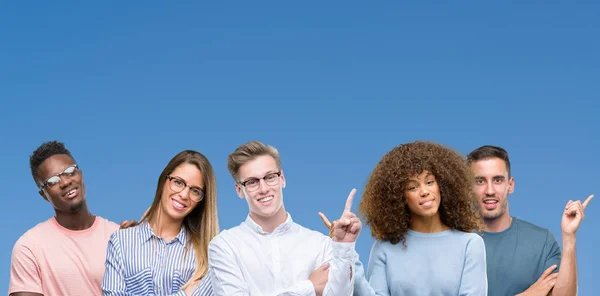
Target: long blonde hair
[201,224]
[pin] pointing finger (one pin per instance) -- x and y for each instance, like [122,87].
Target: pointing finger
[349,200]
[587,201]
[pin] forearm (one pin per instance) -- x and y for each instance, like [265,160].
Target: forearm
[566,283]
[341,274]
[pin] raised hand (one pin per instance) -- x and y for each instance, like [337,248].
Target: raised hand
[348,227]
[573,215]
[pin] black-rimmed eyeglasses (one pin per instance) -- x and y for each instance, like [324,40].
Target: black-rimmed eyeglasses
[177,184]
[252,184]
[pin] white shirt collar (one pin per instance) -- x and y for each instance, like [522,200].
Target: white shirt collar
[279,230]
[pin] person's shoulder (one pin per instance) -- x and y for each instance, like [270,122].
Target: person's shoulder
[530,228]
[36,235]
[469,236]
[124,235]
[42,229]
[228,235]
[107,224]
[311,235]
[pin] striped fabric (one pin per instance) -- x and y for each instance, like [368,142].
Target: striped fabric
[140,263]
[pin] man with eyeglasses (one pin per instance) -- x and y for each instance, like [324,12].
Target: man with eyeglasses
[65,254]
[269,254]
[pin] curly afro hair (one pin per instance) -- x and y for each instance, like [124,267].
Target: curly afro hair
[383,203]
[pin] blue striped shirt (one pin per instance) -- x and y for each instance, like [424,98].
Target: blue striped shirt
[138,262]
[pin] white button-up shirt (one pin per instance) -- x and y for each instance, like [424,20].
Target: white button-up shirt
[245,260]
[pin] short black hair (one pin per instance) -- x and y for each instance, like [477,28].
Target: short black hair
[45,151]
[489,151]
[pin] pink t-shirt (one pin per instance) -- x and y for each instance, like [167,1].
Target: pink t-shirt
[52,260]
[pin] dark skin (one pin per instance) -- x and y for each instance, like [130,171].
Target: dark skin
[71,212]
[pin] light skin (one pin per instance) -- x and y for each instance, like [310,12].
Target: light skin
[175,206]
[267,209]
[492,187]
[266,202]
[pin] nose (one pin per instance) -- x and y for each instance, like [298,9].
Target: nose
[64,181]
[423,191]
[184,193]
[262,186]
[489,189]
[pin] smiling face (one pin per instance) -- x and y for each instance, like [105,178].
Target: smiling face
[492,187]
[422,195]
[175,201]
[68,195]
[263,189]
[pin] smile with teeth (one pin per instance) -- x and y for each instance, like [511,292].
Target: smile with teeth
[490,201]
[177,205]
[265,199]
[71,193]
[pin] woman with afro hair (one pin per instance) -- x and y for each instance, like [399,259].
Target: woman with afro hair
[419,205]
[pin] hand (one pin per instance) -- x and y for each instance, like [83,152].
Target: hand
[128,223]
[543,285]
[319,278]
[348,227]
[131,223]
[191,287]
[573,215]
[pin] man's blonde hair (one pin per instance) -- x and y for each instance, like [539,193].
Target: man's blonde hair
[248,152]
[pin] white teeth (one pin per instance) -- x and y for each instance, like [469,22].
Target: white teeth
[268,198]
[489,201]
[178,204]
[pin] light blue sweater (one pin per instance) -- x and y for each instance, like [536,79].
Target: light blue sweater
[446,263]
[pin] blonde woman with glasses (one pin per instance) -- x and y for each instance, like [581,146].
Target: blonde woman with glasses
[166,253]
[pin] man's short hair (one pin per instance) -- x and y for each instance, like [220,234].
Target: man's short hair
[45,151]
[487,152]
[247,152]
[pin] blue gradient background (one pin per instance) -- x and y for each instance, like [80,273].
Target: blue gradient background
[333,85]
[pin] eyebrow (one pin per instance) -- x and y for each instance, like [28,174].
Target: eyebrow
[267,173]
[493,177]
[186,182]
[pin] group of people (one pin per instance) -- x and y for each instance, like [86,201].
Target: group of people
[441,224]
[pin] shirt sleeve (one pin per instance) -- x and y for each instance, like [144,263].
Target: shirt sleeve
[24,269]
[474,275]
[375,282]
[552,252]
[228,280]
[341,269]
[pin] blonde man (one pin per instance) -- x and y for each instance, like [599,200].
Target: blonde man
[268,253]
